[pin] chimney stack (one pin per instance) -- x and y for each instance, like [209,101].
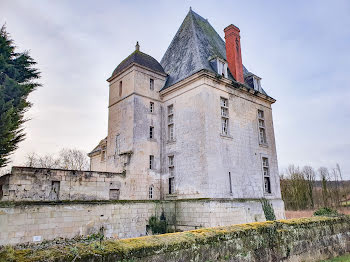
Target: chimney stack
[233,52]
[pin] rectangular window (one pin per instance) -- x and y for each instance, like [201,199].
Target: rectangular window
[171,123]
[151,107]
[150,192]
[266,174]
[171,185]
[171,168]
[224,115]
[261,126]
[230,181]
[120,88]
[151,132]
[171,161]
[151,84]
[151,162]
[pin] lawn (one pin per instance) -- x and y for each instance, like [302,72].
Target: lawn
[345,258]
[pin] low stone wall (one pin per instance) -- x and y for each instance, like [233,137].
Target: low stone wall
[310,239]
[31,221]
[36,222]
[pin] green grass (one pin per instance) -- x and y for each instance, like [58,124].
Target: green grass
[345,258]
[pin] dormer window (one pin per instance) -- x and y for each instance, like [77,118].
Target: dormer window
[256,82]
[222,67]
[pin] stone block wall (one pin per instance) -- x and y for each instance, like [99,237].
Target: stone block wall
[40,184]
[38,222]
[308,239]
[22,222]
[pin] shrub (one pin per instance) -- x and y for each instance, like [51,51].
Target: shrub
[268,209]
[326,212]
[158,225]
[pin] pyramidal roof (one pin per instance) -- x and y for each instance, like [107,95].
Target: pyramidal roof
[194,44]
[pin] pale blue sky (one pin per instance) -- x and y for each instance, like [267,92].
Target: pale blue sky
[301,49]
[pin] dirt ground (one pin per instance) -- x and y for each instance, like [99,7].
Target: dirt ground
[309,213]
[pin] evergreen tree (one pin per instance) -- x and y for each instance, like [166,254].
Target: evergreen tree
[17,76]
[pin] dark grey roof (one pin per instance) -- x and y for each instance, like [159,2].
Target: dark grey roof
[140,58]
[191,49]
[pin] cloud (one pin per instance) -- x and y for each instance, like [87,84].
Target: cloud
[301,49]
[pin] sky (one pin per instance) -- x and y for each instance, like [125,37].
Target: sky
[301,49]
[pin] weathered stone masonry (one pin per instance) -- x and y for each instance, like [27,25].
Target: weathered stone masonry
[22,222]
[310,239]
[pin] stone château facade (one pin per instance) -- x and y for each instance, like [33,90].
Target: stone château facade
[190,137]
[196,125]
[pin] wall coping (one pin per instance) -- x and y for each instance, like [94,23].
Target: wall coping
[36,169]
[6,204]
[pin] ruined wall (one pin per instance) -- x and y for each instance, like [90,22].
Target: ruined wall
[40,184]
[308,239]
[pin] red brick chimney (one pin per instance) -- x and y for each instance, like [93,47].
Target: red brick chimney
[233,52]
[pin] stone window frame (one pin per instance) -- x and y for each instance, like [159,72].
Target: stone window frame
[151,132]
[120,88]
[266,174]
[151,162]
[151,107]
[171,169]
[150,191]
[230,181]
[257,83]
[222,67]
[170,123]
[151,84]
[224,116]
[262,137]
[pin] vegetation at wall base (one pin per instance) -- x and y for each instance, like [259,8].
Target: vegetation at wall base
[158,225]
[326,212]
[268,210]
[16,83]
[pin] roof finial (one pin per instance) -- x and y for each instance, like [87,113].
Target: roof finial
[190,8]
[137,47]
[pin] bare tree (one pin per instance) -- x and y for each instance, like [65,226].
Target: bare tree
[310,175]
[324,175]
[46,161]
[73,159]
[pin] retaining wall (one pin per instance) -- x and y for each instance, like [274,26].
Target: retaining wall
[31,221]
[311,239]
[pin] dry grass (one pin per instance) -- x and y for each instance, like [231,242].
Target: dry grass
[309,213]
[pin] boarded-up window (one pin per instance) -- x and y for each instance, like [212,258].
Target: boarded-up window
[114,194]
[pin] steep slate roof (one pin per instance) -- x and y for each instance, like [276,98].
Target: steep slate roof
[194,44]
[140,58]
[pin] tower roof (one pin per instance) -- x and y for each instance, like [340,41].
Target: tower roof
[139,58]
[195,42]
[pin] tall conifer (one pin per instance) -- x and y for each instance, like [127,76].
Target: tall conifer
[17,81]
